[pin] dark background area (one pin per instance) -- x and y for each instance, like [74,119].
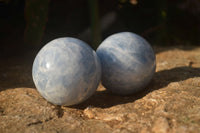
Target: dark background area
[29,24]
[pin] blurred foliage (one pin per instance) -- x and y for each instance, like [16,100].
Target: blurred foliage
[160,21]
[134,2]
[163,21]
[95,23]
[6,1]
[36,15]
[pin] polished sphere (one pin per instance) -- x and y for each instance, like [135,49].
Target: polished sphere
[128,63]
[66,71]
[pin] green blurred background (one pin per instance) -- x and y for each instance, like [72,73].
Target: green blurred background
[30,24]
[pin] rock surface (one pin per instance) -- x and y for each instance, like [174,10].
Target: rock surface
[171,103]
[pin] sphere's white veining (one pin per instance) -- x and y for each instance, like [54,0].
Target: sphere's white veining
[128,63]
[66,71]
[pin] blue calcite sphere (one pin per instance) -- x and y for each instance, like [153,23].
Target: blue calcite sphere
[66,71]
[128,63]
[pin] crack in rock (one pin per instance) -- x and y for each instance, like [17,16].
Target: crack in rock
[39,122]
[59,111]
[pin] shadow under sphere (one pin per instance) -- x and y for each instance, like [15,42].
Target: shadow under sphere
[105,99]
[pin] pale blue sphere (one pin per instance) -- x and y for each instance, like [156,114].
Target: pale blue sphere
[128,63]
[66,71]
